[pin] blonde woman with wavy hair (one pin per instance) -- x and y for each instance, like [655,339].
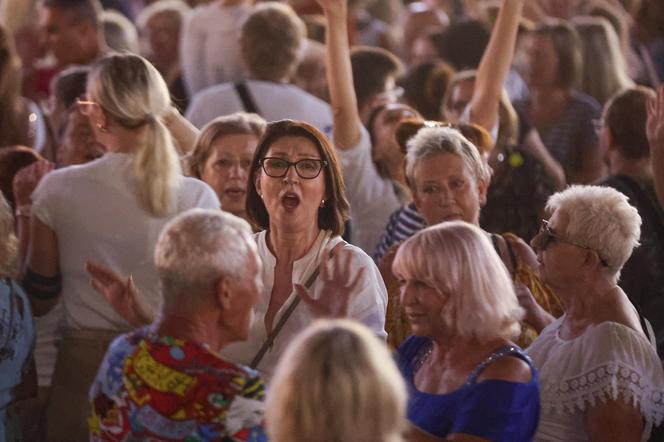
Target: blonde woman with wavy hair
[336,382]
[467,379]
[110,210]
[604,69]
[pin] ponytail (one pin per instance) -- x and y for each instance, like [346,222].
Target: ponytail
[156,169]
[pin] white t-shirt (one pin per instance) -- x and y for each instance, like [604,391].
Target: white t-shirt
[608,359]
[275,101]
[210,48]
[372,198]
[95,214]
[367,306]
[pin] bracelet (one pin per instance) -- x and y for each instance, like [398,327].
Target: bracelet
[24,210]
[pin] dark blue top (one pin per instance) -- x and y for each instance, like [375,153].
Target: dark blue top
[493,409]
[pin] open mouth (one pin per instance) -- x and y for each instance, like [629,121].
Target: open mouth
[235,192]
[290,201]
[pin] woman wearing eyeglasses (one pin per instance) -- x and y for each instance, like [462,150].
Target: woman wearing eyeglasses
[296,196]
[600,376]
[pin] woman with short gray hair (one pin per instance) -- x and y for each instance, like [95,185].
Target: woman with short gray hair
[601,378]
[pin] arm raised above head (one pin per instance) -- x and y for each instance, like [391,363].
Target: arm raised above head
[340,75]
[495,65]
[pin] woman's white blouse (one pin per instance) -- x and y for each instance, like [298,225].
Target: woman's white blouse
[367,306]
[608,361]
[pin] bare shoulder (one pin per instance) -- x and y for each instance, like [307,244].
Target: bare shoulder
[508,368]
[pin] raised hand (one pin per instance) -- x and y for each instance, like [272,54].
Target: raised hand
[337,286]
[120,293]
[27,179]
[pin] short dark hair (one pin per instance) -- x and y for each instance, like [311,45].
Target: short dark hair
[462,44]
[625,118]
[567,45]
[81,10]
[371,68]
[333,215]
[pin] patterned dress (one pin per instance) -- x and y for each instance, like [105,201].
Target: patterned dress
[153,387]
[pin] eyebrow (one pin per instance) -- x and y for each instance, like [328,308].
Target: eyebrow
[303,156]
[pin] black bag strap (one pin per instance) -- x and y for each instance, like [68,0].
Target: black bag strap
[644,202]
[244,93]
[287,313]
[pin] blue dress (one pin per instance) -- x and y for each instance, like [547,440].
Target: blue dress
[493,409]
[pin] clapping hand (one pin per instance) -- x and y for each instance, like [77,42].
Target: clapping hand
[337,285]
[121,293]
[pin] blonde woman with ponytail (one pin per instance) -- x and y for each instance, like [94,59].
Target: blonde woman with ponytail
[110,210]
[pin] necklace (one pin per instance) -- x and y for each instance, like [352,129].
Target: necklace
[422,357]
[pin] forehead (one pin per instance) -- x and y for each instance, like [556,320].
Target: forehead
[296,146]
[54,16]
[558,220]
[234,143]
[439,166]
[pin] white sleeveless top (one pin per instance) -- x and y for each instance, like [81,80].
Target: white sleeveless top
[607,360]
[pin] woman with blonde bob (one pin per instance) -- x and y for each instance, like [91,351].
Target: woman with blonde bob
[110,210]
[336,382]
[222,156]
[467,380]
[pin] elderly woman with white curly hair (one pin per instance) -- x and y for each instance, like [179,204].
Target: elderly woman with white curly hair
[600,375]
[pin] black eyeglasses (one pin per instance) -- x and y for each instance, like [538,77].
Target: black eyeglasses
[547,236]
[278,167]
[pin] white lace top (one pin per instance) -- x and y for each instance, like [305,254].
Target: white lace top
[607,360]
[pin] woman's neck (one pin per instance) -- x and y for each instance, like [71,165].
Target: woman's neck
[291,244]
[121,140]
[585,301]
[449,350]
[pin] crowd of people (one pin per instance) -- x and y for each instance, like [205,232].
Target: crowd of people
[332,220]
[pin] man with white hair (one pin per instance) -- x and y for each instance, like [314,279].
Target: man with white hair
[167,380]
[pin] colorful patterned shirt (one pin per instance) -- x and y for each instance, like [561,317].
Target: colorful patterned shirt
[152,387]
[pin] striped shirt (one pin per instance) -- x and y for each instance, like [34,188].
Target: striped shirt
[403,223]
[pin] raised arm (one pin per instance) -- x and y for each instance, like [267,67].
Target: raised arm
[346,132]
[183,132]
[494,65]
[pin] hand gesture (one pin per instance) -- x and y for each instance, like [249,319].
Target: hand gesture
[655,123]
[27,179]
[535,315]
[337,285]
[120,293]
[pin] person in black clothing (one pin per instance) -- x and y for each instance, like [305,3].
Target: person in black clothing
[623,136]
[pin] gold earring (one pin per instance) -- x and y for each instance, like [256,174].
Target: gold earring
[322,203]
[102,128]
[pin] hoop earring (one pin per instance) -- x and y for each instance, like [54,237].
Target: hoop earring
[102,128]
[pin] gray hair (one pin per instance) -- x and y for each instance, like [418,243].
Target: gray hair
[430,141]
[601,219]
[196,249]
[178,7]
[119,32]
